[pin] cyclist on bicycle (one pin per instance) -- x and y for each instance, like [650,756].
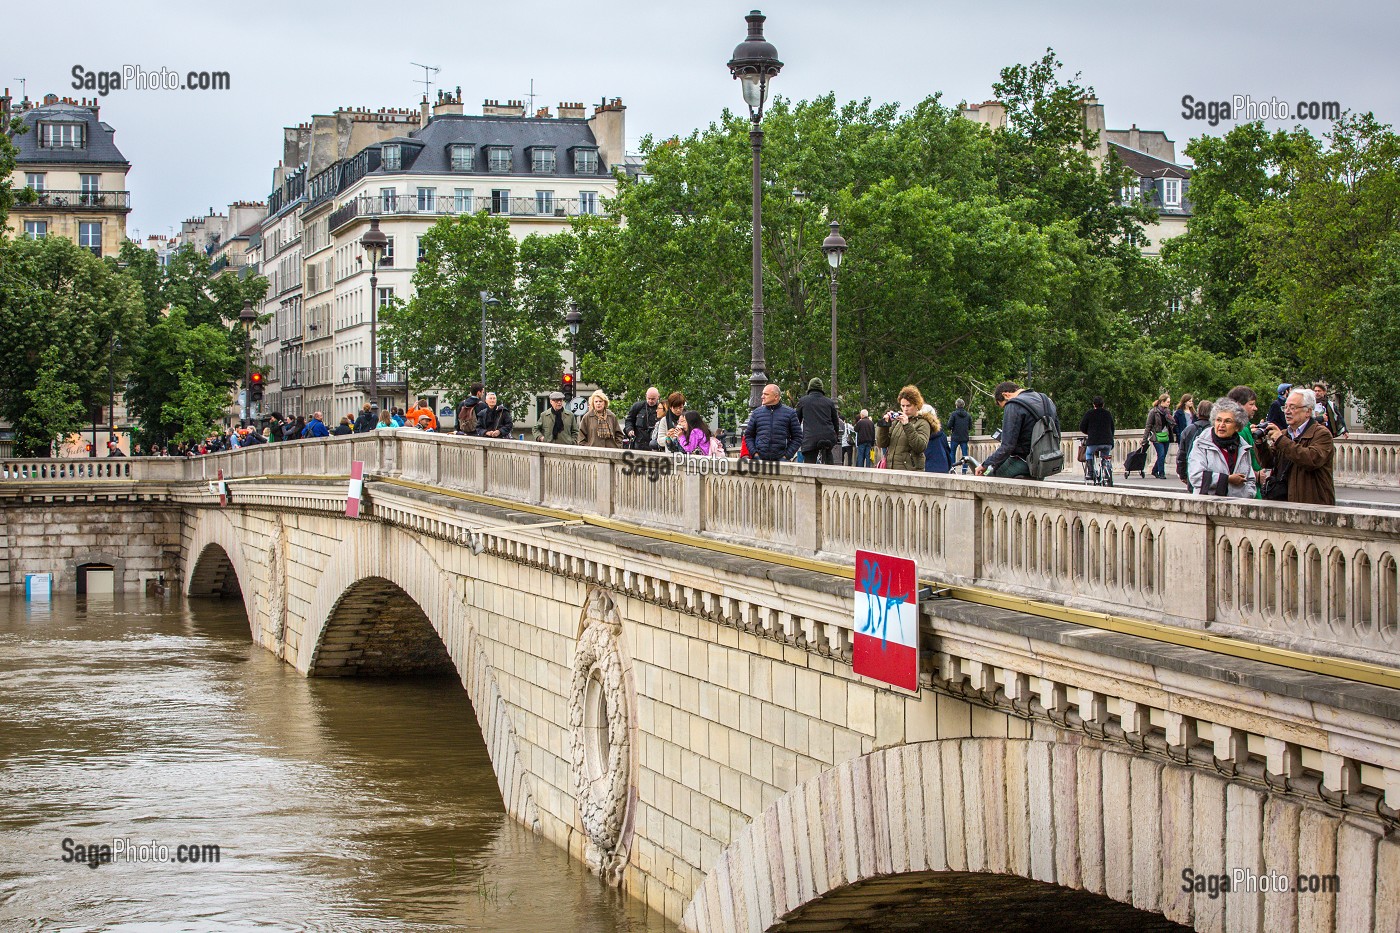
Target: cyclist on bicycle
[1097,428]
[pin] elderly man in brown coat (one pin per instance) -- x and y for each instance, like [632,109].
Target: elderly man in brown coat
[1303,453]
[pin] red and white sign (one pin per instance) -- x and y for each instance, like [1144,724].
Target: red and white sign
[886,643]
[357,488]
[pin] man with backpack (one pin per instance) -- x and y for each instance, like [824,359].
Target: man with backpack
[1030,436]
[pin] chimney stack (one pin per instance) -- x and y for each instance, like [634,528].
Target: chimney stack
[494,108]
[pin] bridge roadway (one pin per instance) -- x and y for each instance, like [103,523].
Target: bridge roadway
[1117,687]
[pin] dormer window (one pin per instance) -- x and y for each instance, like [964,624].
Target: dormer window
[585,161]
[499,158]
[463,157]
[62,135]
[542,160]
[1171,192]
[392,158]
[1130,193]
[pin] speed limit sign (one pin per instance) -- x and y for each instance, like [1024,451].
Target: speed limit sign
[578,405]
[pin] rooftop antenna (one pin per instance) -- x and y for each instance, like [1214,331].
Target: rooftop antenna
[530,111]
[23,93]
[427,82]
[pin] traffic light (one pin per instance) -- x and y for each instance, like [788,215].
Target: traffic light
[255,387]
[566,385]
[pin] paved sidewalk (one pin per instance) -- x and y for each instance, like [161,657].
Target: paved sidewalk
[1356,496]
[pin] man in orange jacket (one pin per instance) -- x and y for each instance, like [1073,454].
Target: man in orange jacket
[421,410]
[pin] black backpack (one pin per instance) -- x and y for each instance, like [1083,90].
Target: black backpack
[1046,456]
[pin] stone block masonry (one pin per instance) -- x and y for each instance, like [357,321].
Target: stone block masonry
[139,540]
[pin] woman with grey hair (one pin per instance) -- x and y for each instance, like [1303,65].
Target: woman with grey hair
[1220,463]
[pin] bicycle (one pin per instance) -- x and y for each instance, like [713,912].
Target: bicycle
[1098,470]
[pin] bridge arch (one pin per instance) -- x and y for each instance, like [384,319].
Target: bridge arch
[384,574]
[215,565]
[1097,820]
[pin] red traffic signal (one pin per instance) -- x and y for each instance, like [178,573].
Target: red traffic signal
[256,384]
[566,385]
[258,379]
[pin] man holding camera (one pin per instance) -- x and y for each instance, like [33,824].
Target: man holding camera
[1302,455]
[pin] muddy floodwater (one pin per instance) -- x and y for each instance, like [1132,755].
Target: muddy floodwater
[154,727]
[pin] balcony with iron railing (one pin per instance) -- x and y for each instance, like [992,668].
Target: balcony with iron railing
[77,200]
[358,376]
[223,262]
[450,206]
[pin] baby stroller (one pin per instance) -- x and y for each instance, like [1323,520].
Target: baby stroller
[1136,462]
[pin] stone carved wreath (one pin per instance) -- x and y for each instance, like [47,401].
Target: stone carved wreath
[600,743]
[277,587]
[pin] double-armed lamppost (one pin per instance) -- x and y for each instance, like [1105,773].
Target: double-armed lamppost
[755,63]
[487,301]
[247,317]
[834,246]
[574,319]
[374,243]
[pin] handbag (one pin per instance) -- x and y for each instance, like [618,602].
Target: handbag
[1163,436]
[882,465]
[1080,449]
[1275,488]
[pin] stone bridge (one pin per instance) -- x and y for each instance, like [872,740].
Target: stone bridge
[1116,689]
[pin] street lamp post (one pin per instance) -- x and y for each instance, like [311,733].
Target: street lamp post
[834,246]
[374,243]
[487,301]
[112,387]
[246,317]
[574,319]
[755,64]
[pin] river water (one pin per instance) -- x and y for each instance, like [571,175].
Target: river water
[340,805]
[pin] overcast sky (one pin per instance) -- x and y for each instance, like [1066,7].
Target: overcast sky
[191,150]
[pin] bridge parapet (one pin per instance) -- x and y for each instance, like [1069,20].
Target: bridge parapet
[1318,580]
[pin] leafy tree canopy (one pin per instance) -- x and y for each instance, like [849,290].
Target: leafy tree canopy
[66,318]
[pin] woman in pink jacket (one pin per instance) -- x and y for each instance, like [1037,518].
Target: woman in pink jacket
[695,437]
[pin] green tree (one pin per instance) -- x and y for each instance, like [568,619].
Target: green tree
[179,387]
[61,311]
[1214,263]
[168,342]
[439,328]
[55,407]
[1374,375]
[1319,246]
[193,410]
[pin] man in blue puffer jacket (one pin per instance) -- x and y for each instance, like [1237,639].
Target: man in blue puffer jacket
[774,432]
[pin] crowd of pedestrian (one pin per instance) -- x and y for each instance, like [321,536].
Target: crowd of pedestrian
[1221,450]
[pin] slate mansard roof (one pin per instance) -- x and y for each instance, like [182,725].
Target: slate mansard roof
[426,151]
[98,149]
[1148,166]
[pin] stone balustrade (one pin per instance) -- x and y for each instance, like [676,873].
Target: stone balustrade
[1319,580]
[1363,460]
[93,469]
